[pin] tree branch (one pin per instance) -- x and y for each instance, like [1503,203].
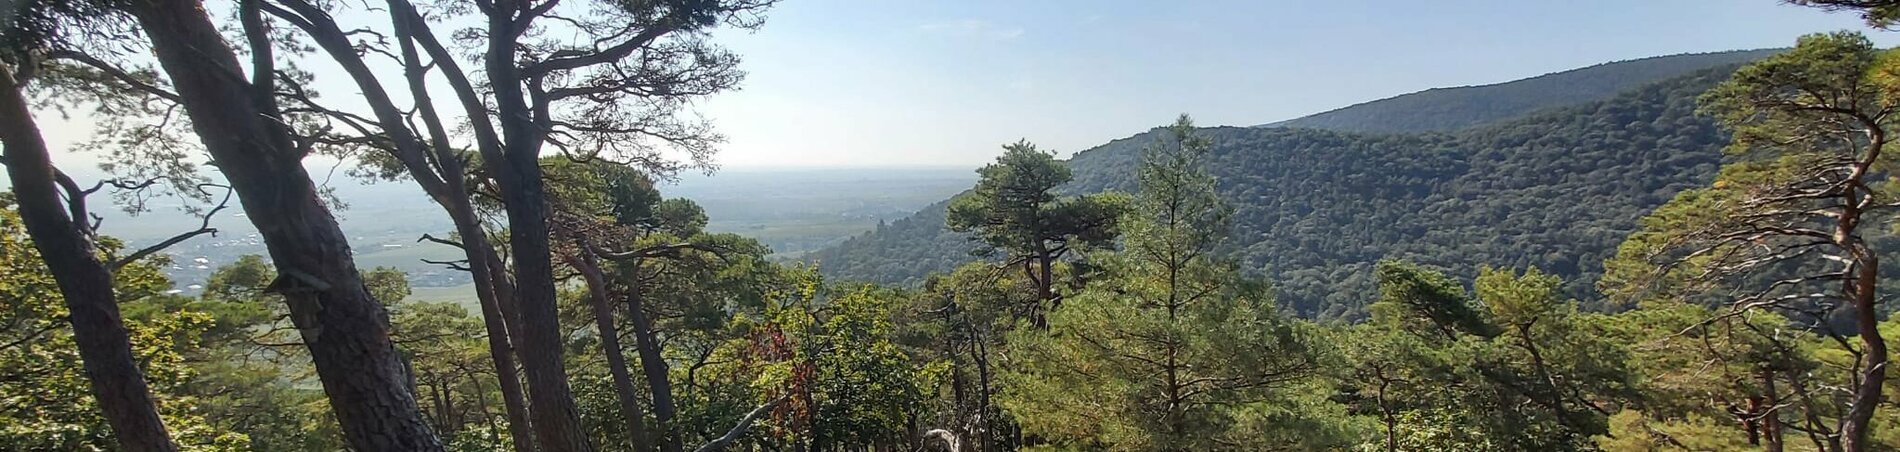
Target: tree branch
[116,73]
[745,423]
[204,227]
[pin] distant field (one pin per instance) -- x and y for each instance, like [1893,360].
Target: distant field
[794,211]
[461,294]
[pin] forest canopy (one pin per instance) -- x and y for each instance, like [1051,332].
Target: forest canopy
[1680,253]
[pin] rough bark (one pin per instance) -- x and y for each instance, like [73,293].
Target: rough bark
[105,347]
[499,314]
[441,173]
[346,330]
[986,435]
[517,173]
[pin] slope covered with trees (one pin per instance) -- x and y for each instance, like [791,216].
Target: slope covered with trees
[1126,302]
[1444,109]
[1314,208]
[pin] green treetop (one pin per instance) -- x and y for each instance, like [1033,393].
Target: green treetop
[1172,349]
[1015,208]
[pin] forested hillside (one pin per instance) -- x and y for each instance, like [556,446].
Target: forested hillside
[1445,109]
[1689,264]
[1315,209]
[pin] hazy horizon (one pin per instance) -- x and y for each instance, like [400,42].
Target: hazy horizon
[835,84]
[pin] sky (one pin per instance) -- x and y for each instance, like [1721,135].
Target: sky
[945,83]
[942,82]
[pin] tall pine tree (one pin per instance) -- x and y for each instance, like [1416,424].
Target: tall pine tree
[1168,349]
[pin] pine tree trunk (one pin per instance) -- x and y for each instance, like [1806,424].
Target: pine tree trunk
[1862,292]
[654,363]
[491,289]
[1873,373]
[610,347]
[491,284]
[346,330]
[105,347]
[517,171]
[1771,417]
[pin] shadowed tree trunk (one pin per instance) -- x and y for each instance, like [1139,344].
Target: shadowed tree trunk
[438,168]
[517,171]
[346,330]
[105,348]
[589,268]
[1771,415]
[655,366]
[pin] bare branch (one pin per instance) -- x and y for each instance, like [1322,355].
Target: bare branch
[204,227]
[745,423]
[118,74]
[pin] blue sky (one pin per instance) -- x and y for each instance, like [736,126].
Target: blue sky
[941,82]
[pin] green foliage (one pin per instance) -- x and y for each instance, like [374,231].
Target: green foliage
[1314,210]
[250,375]
[619,193]
[1878,13]
[1446,109]
[1631,431]
[1513,368]
[448,358]
[1763,234]
[833,360]
[1171,349]
[253,375]
[1423,299]
[904,252]
[1014,207]
[45,400]
[1169,336]
[866,386]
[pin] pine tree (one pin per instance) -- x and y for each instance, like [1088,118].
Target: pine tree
[1172,344]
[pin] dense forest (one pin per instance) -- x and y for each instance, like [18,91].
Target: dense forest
[1447,109]
[1315,209]
[1692,264]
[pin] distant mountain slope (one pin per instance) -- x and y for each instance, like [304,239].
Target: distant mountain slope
[1314,208]
[1445,109]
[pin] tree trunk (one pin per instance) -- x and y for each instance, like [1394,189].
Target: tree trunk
[986,438]
[517,172]
[1816,430]
[346,330]
[1750,418]
[1390,419]
[1862,292]
[1042,275]
[1873,373]
[652,361]
[444,182]
[491,282]
[490,285]
[610,346]
[105,347]
[1770,416]
[555,419]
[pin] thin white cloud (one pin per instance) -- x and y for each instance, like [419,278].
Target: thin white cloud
[1023,84]
[973,28]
